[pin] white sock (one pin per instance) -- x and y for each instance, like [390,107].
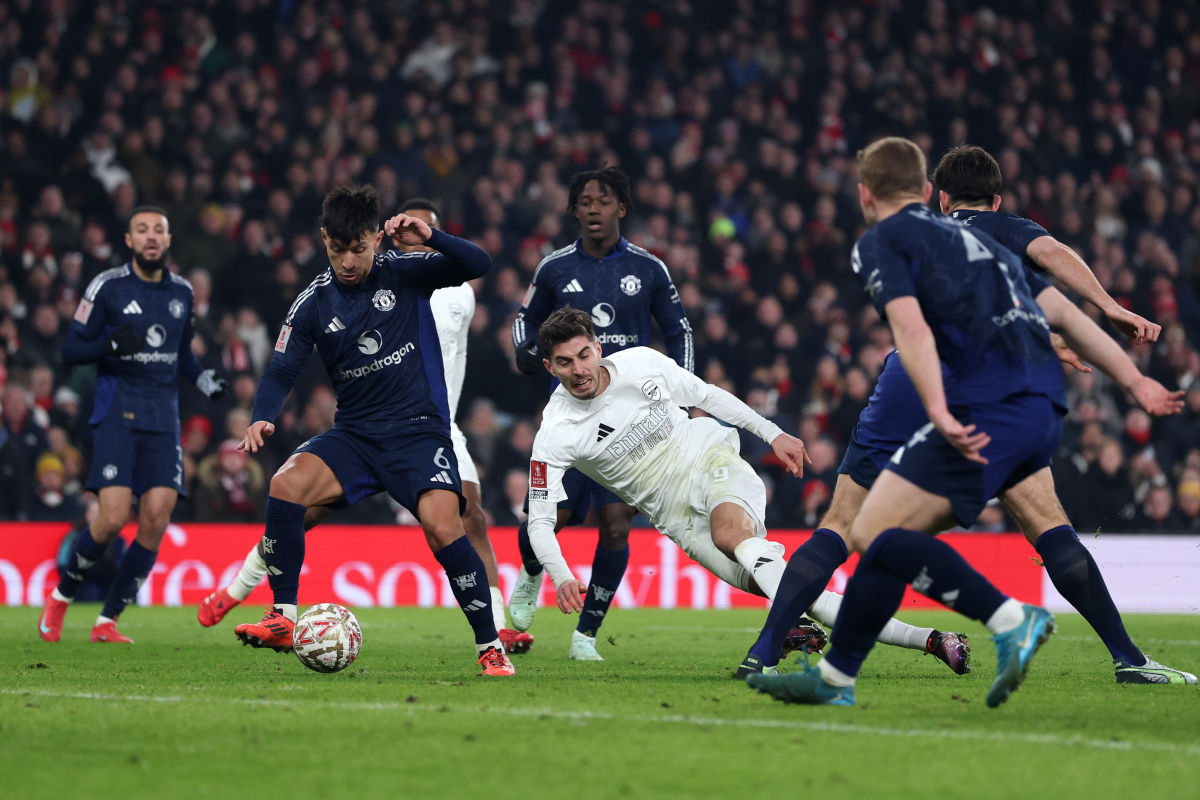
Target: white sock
[498,608]
[102,620]
[901,634]
[57,595]
[897,633]
[1009,615]
[833,675]
[252,571]
[287,609]
[763,560]
[479,648]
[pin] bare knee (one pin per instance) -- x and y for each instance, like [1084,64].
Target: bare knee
[286,484]
[729,526]
[614,530]
[473,519]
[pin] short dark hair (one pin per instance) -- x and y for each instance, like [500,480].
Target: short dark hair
[147,210]
[421,204]
[610,179]
[563,326]
[892,166]
[968,173]
[350,211]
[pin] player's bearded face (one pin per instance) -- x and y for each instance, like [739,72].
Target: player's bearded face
[149,238]
[352,262]
[576,364]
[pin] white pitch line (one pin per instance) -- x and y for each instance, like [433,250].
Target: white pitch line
[1096,639]
[668,719]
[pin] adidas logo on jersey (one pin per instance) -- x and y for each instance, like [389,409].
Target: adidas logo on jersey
[603,432]
[132,308]
[442,477]
[335,326]
[573,286]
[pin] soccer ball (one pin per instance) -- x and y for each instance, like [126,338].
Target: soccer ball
[327,638]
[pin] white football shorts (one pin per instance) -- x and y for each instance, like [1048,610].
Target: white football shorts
[466,465]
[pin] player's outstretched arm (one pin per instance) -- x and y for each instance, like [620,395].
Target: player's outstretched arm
[256,435]
[1097,347]
[1066,265]
[455,261]
[918,354]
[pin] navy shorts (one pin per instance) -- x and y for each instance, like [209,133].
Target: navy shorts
[1025,431]
[141,460]
[405,463]
[866,456]
[582,494]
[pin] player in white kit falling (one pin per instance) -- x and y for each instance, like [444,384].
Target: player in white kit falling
[453,307]
[619,421]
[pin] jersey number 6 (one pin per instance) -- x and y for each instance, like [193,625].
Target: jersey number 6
[440,459]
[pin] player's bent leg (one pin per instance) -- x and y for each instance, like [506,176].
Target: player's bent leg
[214,607]
[154,512]
[475,524]
[889,530]
[438,510]
[808,572]
[523,604]
[735,533]
[111,515]
[304,480]
[1034,504]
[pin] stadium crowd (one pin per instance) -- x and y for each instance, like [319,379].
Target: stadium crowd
[738,124]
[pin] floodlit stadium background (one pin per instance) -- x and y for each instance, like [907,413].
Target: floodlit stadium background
[738,124]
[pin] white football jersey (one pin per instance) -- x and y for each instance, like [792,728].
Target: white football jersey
[634,439]
[453,308]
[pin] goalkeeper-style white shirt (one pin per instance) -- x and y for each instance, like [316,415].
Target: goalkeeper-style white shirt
[634,439]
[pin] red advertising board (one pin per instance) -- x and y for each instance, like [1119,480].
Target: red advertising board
[386,566]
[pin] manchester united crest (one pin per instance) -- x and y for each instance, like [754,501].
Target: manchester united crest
[384,300]
[176,308]
[631,285]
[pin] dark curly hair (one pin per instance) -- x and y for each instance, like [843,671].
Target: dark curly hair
[610,179]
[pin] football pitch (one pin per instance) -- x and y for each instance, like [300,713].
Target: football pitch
[189,712]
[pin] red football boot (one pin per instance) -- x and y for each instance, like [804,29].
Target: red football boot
[214,607]
[515,642]
[108,633]
[50,625]
[274,631]
[495,663]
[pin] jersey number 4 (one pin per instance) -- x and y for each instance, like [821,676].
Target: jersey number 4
[975,249]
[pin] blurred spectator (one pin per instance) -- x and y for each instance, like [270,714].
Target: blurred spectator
[51,503]
[20,422]
[230,487]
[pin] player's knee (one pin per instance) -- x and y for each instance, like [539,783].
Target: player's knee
[439,535]
[473,519]
[286,485]
[615,537]
[861,537]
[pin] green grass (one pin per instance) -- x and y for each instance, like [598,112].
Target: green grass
[189,712]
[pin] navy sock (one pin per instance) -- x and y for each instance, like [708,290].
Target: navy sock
[1077,577]
[528,557]
[608,568]
[872,597]
[85,554]
[469,582]
[283,549]
[807,574]
[936,570]
[135,566]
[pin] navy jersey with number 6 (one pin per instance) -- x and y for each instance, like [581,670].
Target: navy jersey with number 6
[991,336]
[378,340]
[621,291]
[139,391]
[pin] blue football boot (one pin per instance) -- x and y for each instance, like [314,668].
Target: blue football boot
[1015,649]
[806,686]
